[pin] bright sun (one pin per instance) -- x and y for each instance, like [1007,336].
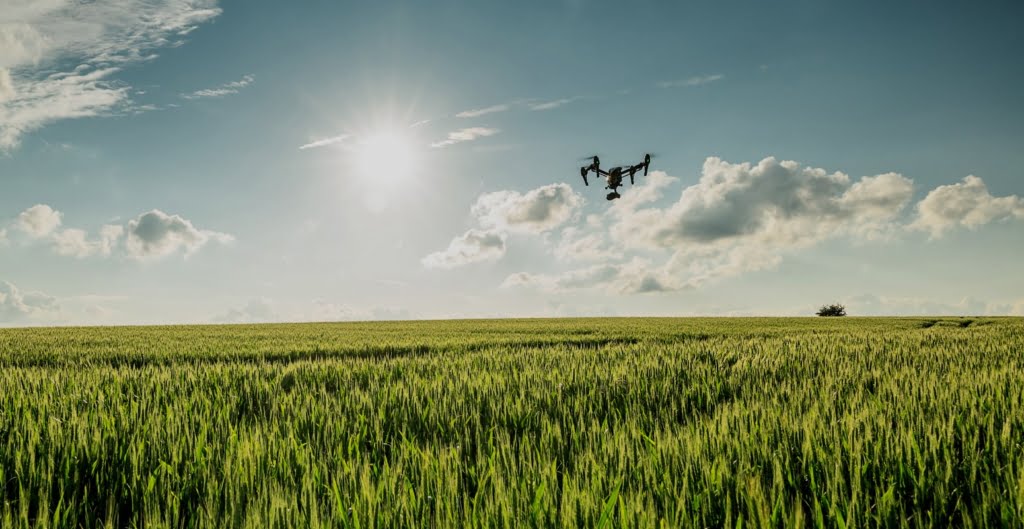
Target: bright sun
[386,158]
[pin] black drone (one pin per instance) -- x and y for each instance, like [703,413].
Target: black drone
[615,174]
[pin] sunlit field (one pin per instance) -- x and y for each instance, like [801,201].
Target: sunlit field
[907,422]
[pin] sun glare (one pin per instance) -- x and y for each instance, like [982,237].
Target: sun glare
[385,158]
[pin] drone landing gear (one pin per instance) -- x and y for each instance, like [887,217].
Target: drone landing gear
[613,195]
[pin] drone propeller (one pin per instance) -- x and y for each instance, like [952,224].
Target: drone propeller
[647,162]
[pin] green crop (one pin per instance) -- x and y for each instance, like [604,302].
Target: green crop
[649,422]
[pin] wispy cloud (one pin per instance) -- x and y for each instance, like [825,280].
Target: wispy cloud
[482,111]
[467,134]
[692,81]
[222,90]
[325,142]
[59,59]
[548,105]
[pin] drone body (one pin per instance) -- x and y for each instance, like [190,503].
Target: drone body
[614,176]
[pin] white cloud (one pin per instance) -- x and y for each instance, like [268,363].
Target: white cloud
[157,234]
[649,190]
[482,111]
[773,203]
[548,105]
[74,242]
[325,142]
[692,81]
[471,247]
[39,220]
[151,234]
[6,85]
[737,218]
[885,305]
[536,211]
[266,310]
[467,134]
[16,305]
[637,276]
[693,269]
[258,310]
[745,217]
[391,314]
[324,310]
[576,244]
[502,212]
[222,90]
[967,203]
[58,58]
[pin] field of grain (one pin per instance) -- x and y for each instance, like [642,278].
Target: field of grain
[905,422]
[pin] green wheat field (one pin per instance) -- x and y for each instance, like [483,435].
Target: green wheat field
[648,422]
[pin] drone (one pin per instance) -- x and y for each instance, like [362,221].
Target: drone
[615,174]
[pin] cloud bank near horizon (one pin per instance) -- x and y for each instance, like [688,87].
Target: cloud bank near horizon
[737,218]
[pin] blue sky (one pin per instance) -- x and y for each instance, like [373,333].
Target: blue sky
[198,161]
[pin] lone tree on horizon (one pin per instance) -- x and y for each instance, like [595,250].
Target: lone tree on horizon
[832,310]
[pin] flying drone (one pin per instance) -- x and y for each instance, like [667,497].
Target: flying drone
[614,175]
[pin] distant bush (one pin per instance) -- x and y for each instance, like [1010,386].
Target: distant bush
[832,310]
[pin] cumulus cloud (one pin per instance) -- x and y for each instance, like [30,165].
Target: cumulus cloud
[59,58]
[783,204]
[503,212]
[151,234]
[694,268]
[744,217]
[536,211]
[222,90]
[576,244]
[157,234]
[39,220]
[692,81]
[74,242]
[737,218]
[967,203]
[482,111]
[16,305]
[467,134]
[471,247]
